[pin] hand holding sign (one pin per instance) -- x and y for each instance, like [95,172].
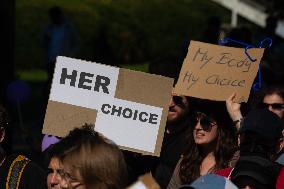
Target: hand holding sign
[214,72]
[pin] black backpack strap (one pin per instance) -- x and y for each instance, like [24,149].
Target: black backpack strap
[15,172]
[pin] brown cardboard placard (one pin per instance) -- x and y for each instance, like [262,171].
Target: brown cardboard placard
[123,104]
[145,182]
[215,72]
[148,89]
[60,118]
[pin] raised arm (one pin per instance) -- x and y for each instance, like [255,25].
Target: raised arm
[234,110]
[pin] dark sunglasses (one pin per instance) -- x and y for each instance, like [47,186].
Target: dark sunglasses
[275,106]
[179,101]
[205,122]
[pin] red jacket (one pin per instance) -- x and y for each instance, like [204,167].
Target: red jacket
[279,183]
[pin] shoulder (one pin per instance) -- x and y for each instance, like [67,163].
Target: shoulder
[4,169]
[33,177]
[175,181]
[21,170]
[33,168]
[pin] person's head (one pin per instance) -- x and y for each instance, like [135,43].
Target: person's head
[205,131]
[53,178]
[211,133]
[255,172]
[181,108]
[273,99]
[56,15]
[212,123]
[260,133]
[52,164]
[91,161]
[178,108]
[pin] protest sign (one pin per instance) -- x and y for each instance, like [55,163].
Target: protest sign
[145,182]
[128,107]
[215,72]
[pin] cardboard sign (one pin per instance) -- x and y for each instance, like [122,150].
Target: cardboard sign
[126,106]
[215,72]
[145,182]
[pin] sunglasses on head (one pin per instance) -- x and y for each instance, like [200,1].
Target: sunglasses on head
[275,106]
[205,122]
[178,100]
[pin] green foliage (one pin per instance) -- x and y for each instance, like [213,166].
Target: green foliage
[145,29]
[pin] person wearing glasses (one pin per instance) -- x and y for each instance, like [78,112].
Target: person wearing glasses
[174,144]
[256,168]
[210,145]
[88,160]
[271,98]
[175,137]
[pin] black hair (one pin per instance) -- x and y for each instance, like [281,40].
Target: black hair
[253,144]
[53,150]
[255,171]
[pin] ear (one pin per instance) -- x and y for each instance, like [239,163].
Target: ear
[2,134]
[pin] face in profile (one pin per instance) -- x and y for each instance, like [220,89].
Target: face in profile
[205,130]
[178,107]
[53,177]
[274,103]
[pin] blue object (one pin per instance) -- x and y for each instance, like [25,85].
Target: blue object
[280,159]
[257,84]
[18,91]
[247,46]
[210,181]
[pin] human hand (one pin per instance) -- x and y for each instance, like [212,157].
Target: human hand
[233,108]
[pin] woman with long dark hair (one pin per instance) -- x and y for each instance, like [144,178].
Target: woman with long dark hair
[211,145]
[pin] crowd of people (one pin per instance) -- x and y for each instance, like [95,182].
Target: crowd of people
[205,142]
[202,137]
